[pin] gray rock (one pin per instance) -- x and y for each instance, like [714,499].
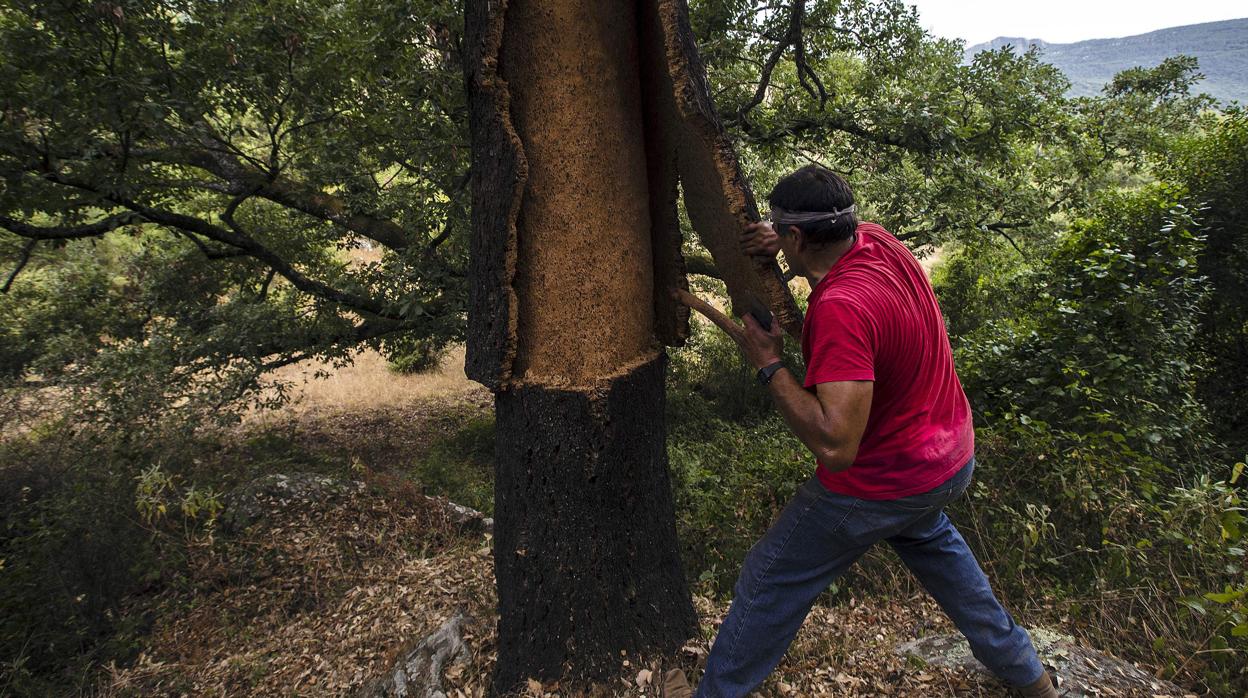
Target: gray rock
[467,519]
[418,673]
[1081,672]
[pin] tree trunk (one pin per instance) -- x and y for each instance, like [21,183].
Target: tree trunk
[583,115]
[585,545]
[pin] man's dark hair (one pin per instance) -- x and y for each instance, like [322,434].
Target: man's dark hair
[815,189]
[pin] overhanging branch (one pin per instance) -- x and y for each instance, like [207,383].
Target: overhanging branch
[792,37]
[91,230]
[286,191]
[238,240]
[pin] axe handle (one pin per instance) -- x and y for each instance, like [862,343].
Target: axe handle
[723,321]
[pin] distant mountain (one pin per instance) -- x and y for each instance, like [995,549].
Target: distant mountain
[1221,48]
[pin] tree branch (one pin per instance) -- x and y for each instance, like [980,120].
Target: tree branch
[359,333]
[290,193]
[792,36]
[238,240]
[458,186]
[21,264]
[34,232]
[702,265]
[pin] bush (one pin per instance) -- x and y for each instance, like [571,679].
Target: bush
[73,551]
[409,355]
[1105,355]
[1213,167]
[734,462]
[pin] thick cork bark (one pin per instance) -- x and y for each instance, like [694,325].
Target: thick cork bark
[578,253]
[586,117]
[717,196]
[499,173]
[585,541]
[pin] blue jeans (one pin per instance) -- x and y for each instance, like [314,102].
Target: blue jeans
[817,537]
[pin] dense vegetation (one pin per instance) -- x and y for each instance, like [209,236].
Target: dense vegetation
[184,184]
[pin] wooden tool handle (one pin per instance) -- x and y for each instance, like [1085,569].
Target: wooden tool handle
[724,322]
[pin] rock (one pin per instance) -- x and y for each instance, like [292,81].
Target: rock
[418,673]
[249,503]
[1081,672]
[468,520]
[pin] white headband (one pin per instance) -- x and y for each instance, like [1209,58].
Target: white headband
[780,216]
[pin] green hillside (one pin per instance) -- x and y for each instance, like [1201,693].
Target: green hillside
[1221,48]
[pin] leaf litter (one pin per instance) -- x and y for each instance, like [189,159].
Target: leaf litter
[321,598]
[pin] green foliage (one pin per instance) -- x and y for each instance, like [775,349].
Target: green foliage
[1105,354]
[416,355]
[937,148]
[731,480]
[734,462]
[1213,167]
[267,181]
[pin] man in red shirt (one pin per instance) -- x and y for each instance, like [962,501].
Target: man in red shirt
[884,414]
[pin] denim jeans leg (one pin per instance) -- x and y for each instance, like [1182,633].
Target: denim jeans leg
[940,558]
[783,574]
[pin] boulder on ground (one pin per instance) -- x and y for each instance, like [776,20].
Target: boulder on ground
[1080,671]
[418,673]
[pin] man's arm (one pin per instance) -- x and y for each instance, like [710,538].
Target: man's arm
[829,421]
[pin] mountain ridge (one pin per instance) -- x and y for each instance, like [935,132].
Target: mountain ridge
[1220,47]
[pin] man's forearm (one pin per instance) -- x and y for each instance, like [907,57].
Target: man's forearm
[805,415]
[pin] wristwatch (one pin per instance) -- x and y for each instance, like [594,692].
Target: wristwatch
[765,373]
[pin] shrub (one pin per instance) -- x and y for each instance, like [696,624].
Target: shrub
[1105,356]
[416,354]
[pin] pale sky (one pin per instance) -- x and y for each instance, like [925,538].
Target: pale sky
[1065,21]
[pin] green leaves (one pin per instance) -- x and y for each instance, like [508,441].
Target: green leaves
[306,129]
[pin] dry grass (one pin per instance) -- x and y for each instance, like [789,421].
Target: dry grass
[369,383]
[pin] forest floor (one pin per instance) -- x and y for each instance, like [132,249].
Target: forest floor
[321,596]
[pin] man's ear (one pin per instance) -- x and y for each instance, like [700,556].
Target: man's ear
[798,238]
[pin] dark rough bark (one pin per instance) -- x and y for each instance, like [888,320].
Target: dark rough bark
[499,172]
[585,546]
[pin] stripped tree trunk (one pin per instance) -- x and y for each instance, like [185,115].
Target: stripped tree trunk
[584,115]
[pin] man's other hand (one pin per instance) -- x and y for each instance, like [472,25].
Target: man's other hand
[760,239]
[762,347]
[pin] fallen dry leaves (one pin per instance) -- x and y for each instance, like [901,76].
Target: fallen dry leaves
[319,599]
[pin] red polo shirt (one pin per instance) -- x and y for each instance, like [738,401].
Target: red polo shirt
[874,317]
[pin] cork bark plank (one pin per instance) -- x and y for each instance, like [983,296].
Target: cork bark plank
[717,196]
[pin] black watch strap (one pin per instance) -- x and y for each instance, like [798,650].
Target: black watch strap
[765,373]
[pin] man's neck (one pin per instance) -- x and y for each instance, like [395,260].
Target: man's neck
[819,261]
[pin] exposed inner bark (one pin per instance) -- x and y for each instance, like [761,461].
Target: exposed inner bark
[584,272]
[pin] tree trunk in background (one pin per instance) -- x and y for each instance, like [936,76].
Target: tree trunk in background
[581,123]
